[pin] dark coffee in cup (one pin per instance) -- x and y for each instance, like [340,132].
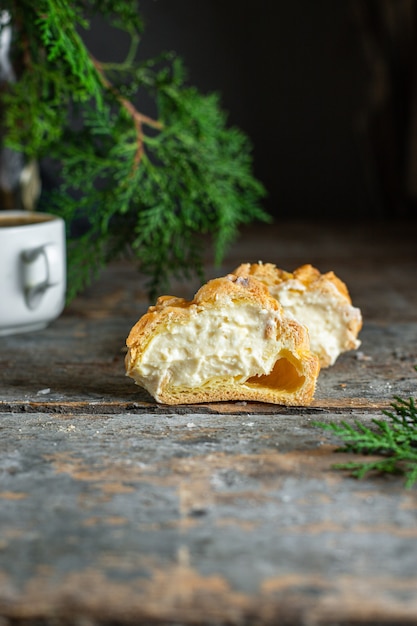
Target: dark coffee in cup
[8,221]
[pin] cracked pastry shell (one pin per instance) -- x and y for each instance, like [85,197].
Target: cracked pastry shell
[233,341]
[319,301]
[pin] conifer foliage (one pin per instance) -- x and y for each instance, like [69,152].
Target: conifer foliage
[392,441]
[152,186]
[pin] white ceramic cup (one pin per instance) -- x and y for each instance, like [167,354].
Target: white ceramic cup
[32,270]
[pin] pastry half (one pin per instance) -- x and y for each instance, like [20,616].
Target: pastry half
[319,301]
[231,342]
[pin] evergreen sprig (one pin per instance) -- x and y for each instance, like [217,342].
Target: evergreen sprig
[394,440]
[152,186]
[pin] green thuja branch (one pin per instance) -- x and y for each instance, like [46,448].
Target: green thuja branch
[395,441]
[151,186]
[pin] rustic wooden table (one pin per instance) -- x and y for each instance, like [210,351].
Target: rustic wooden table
[116,510]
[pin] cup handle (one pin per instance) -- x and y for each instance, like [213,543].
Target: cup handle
[38,277]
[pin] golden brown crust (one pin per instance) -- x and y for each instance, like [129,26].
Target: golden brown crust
[213,292]
[307,281]
[294,369]
[268,273]
[308,275]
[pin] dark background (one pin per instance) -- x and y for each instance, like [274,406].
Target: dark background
[323,88]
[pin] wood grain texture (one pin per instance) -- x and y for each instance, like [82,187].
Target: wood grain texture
[117,510]
[197,518]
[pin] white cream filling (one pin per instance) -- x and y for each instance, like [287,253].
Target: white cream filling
[227,342]
[327,323]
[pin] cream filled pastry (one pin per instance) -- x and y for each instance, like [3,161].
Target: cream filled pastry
[319,301]
[231,342]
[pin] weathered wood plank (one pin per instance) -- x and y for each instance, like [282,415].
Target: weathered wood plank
[117,510]
[218,519]
[62,367]
[79,358]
